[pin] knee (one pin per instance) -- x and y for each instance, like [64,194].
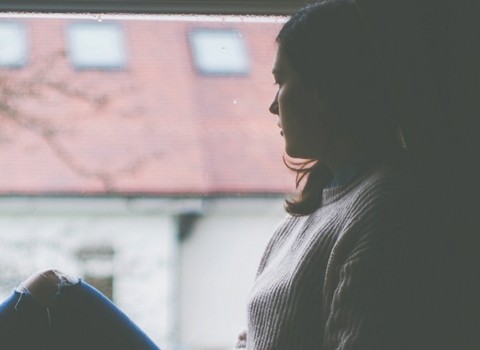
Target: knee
[44,285]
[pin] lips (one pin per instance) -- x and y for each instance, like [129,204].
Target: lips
[281,130]
[280,126]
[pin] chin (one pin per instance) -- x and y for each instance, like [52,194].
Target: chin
[293,153]
[299,154]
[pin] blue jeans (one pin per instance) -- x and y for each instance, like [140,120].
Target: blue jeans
[80,318]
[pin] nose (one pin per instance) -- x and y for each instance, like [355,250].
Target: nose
[274,106]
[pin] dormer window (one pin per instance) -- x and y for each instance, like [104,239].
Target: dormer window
[13,44]
[96,46]
[219,52]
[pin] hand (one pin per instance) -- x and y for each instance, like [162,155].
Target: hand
[242,340]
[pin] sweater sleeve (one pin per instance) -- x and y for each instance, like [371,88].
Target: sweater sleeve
[370,305]
[374,302]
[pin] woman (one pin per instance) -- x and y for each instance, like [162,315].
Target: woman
[339,271]
[342,271]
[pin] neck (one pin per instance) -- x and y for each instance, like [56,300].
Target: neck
[343,152]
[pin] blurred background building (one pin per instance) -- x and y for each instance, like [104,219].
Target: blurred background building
[140,155]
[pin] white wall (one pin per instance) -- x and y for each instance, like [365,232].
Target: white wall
[41,233]
[218,265]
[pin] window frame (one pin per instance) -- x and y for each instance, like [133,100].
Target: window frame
[225,7]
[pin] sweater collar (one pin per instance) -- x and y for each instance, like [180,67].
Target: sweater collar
[350,171]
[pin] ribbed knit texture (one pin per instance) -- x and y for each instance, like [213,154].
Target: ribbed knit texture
[342,277]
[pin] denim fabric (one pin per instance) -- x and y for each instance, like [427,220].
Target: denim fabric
[23,323]
[80,318]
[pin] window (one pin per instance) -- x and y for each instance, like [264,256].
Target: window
[96,45]
[145,186]
[13,44]
[219,51]
[97,262]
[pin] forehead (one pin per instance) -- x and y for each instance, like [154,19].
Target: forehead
[280,64]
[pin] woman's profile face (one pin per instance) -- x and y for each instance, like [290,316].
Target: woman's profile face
[301,112]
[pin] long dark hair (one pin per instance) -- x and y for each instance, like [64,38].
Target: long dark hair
[328,46]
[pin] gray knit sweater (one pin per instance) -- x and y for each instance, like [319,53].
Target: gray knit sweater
[343,277]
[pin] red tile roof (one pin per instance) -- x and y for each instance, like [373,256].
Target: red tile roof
[157,127]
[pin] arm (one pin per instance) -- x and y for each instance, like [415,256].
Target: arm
[372,304]
[376,286]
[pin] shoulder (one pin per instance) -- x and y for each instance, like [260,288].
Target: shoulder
[386,184]
[377,181]
[382,210]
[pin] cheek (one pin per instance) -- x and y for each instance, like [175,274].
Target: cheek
[288,105]
[296,110]
[305,131]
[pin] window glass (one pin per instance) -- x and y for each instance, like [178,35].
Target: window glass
[13,44]
[219,51]
[157,184]
[96,45]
